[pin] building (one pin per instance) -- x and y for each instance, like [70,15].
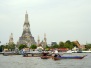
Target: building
[53,43]
[78,45]
[11,39]
[26,37]
[43,43]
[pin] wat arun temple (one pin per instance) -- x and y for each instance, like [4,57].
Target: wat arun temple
[26,37]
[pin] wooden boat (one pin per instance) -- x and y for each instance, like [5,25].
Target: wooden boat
[56,58]
[68,57]
[72,57]
[45,57]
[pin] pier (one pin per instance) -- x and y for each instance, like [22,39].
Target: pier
[32,53]
[8,53]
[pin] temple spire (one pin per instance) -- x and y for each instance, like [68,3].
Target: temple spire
[26,17]
[26,26]
[26,37]
[26,11]
[45,37]
[45,40]
[11,39]
[38,40]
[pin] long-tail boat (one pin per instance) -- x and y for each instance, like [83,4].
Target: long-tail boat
[68,57]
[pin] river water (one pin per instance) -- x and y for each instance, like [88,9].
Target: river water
[17,61]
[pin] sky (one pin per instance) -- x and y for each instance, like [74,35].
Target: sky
[61,20]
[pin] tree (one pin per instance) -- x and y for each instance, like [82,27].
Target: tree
[11,46]
[68,41]
[54,46]
[33,46]
[22,46]
[1,48]
[68,44]
[6,46]
[61,44]
[75,45]
[47,48]
[88,46]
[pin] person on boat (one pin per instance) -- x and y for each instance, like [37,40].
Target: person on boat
[24,52]
[56,54]
[44,53]
[56,51]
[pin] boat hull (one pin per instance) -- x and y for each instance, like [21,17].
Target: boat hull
[45,57]
[68,57]
[75,57]
[72,57]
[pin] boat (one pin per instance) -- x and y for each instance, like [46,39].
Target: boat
[45,57]
[68,57]
[71,57]
[68,52]
[56,58]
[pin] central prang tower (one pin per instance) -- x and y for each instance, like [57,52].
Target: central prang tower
[26,37]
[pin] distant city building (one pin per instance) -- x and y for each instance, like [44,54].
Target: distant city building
[26,37]
[53,43]
[11,39]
